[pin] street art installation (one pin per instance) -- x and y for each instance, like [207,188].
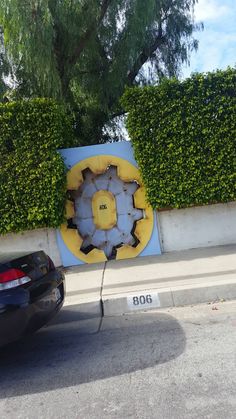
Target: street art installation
[107,216]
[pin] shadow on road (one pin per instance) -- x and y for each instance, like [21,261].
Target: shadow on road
[64,355]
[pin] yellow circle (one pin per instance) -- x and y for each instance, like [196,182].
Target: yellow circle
[128,173]
[104,210]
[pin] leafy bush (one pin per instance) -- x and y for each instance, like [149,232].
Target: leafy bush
[32,173]
[184,138]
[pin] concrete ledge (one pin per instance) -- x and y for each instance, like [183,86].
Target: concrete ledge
[118,304]
[197,294]
[84,288]
[197,265]
[86,308]
[173,297]
[173,279]
[71,318]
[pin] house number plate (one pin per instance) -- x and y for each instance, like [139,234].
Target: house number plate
[143,301]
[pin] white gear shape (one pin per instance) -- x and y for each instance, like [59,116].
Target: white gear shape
[122,231]
[107,216]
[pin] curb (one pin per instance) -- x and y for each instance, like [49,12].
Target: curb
[86,309]
[84,290]
[169,297]
[175,296]
[175,279]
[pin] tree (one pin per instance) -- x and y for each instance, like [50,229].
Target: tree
[85,52]
[4,65]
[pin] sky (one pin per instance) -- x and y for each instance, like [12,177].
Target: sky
[217,42]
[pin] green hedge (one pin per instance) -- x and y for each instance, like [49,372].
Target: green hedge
[32,173]
[184,138]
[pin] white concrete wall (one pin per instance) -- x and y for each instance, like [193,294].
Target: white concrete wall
[42,239]
[210,225]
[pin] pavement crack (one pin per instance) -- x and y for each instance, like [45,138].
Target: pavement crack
[103,276]
[101,300]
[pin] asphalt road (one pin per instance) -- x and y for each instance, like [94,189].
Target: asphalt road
[176,363]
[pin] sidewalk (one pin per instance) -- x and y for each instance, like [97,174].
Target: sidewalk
[172,279]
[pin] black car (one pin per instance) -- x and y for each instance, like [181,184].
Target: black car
[31,293]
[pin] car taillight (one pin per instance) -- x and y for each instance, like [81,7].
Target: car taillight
[12,278]
[51,264]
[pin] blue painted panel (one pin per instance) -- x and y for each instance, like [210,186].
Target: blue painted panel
[123,150]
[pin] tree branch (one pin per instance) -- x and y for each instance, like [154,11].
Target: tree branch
[88,33]
[121,112]
[143,57]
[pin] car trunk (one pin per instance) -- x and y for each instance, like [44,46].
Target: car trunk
[34,265]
